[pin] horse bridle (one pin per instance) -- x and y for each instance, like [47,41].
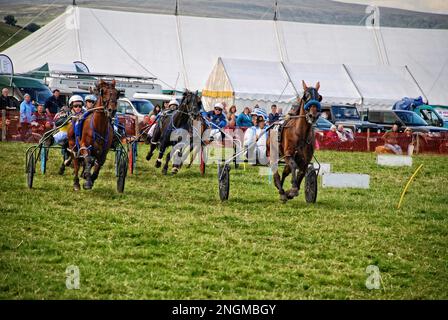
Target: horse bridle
[310,97]
[105,106]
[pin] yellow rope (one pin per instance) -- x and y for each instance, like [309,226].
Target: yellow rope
[407,185]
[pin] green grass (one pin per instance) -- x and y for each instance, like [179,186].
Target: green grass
[6,31]
[170,237]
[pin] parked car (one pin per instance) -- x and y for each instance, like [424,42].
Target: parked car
[349,117]
[443,113]
[427,137]
[140,108]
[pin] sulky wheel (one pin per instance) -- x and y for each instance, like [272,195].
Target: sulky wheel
[30,170]
[311,185]
[224,181]
[122,168]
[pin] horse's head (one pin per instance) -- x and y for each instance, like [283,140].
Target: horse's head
[310,102]
[192,104]
[107,95]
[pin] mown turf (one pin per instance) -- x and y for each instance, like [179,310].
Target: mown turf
[170,237]
[7,31]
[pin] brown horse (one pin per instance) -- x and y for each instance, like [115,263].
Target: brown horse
[97,135]
[297,142]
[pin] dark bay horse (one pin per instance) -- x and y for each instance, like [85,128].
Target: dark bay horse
[91,148]
[182,118]
[297,142]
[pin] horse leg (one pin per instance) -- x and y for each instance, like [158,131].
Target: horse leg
[76,185]
[151,151]
[167,160]
[294,191]
[279,183]
[160,158]
[88,161]
[96,171]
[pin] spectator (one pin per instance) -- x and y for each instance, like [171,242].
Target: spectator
[261,137]
[26,114]
[409,140]
[53,103]
[254,118]
[156,110]
[232,116]
[224,108]
[166,104]
[280,112]
[42,119]
[331,137]
[7,102]
[391,140]
[344,135]
[244,119]
[274,115]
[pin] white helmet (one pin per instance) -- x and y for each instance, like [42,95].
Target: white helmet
[75,98]
[219,105]
[173,102]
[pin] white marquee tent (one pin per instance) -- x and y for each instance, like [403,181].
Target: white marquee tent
[269,82]
[181,50]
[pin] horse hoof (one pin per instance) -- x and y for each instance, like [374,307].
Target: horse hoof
[293,193]
[164,171]
[283,197]
[87,185]
[76,187]
[158,163]
[148,156]
[174,170]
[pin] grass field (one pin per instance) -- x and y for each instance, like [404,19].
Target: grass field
[6,31]
[170,237]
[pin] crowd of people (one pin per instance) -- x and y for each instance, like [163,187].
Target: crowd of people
[36,118]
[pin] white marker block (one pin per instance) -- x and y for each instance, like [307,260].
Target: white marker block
[324,168]
[393,161]
[346,180]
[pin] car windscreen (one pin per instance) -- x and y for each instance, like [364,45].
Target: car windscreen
[346,113]
[322,123]
[143,107]
[411,119]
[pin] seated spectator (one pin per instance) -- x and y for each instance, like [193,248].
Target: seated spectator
[331,137]
[232,116]
[244,119]
[391,140]
[41,118]
[409,140]
[344,135]
[274,115]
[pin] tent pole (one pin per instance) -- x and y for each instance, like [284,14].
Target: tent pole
[354,84]
[418,85]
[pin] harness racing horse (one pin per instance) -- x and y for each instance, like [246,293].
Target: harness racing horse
[182,118]
[297,142]
[90,146]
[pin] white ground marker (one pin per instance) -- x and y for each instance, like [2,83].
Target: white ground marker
[346,180]
[393,160]
[324,168]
